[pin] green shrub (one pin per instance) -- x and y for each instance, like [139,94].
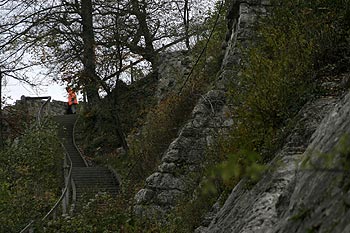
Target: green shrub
[29,177]
[101,214]
[161,127]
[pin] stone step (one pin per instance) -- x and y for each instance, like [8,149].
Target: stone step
[88,180]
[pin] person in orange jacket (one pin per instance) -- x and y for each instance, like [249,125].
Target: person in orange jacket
[72,101]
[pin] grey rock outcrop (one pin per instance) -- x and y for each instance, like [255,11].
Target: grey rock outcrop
[178,174]
[260,208]
[319,201]
[291,197]
[241,19]
[174,66]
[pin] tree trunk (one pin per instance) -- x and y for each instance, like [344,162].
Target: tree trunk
[89,61]
[141,14]
[186,18]
[119,130]
[89,58]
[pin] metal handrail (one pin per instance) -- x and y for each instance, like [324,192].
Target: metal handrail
[70,181]
[75,145]
[74,196]
[41,110]
[115,175]
[29,226]
[58,202]
[64,190]
[40,114]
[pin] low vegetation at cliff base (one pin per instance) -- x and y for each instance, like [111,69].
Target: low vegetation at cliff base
[30,176]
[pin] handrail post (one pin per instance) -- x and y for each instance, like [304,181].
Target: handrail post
[64,203]
[67,194]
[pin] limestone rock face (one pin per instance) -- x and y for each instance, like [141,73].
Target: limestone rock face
[174,66]
[319,201]
[291,197]
[176,175]
[260,208]
[241,19]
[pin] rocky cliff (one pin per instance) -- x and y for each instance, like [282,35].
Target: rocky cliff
[181,165]
[268,204]
[307,186]
[295,197]
[299,192]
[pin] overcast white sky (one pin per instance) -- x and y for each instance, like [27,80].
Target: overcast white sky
[14,90]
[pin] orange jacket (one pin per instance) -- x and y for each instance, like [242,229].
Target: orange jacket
[72,97]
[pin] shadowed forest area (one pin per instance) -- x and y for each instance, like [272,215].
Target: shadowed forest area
[187,105]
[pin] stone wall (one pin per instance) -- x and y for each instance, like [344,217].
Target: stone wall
[241,19]
[32,106]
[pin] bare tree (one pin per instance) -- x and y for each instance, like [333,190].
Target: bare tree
[94,41]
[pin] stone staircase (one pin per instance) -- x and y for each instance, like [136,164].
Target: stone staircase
[92,180]
[88,181]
